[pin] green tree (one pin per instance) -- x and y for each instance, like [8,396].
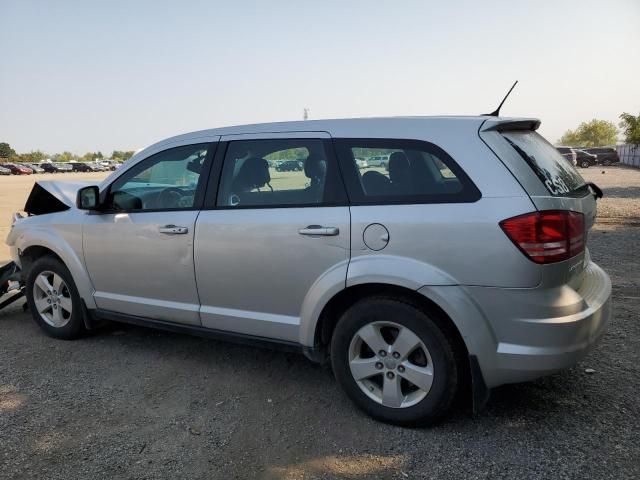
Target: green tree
[33,157]
[630,126]
[6,151]
[121,156]
[595,133]
[65,157]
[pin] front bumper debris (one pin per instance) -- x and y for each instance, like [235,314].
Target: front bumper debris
[11,284]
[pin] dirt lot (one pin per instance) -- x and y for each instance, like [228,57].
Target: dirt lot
[136,403]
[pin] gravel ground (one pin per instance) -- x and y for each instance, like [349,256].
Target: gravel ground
[132,403]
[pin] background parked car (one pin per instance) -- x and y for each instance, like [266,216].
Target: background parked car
[110,164]
[362,163]
[4,171]
[378,161]
[606,155]
[64,167]
[17,169]
[289,166]
[81,167]
[50,167]
[98,167]
[586,159]
[569,153]
[34,167]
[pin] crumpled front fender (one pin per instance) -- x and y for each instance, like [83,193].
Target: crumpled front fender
[63,240]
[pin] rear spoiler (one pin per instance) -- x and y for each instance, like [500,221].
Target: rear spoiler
[507,125]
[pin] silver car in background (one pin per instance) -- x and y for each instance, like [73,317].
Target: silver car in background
[464,260]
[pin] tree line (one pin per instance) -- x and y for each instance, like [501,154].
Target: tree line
[594,133]
[598,133]
[8,154]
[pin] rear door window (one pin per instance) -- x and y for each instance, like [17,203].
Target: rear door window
[558,175]
[273,173]
[384,171]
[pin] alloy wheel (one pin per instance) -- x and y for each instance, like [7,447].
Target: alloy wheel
[390,364]
[52,299]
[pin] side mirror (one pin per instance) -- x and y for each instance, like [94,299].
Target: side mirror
[88,198]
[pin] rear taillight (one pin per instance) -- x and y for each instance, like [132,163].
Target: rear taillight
[548,236]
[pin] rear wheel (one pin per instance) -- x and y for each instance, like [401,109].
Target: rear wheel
[606,163]
[394,361]
[585,164]
[54,300]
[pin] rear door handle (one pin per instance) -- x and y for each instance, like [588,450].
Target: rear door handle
[319,230]
[173,230]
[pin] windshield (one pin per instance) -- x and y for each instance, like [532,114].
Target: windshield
[556,172]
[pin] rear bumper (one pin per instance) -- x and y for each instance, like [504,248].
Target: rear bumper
[541,331]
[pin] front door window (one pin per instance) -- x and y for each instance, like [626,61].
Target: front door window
[165,181]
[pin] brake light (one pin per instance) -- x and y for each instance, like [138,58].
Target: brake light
[548,236]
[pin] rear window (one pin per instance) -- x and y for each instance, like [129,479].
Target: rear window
[559,175]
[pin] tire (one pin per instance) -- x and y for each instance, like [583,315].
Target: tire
[585,164]
[58,323]
[606,163]
[417,406]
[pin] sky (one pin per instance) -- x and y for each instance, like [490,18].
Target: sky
[103,75]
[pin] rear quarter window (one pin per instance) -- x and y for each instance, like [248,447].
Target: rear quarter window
[558,175]
[397,171]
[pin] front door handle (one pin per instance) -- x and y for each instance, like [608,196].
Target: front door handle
[319,230]
[173,230]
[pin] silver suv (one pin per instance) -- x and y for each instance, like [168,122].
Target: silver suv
[464,261]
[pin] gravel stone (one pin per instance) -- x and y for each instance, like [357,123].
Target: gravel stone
[125,402]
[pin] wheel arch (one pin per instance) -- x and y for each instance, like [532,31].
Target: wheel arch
[347,297]
[52,245]
[473,344]
[34,252]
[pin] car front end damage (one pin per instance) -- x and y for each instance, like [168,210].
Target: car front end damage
[45,198]
[11,284]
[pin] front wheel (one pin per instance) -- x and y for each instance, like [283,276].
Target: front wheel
[54,300]
[394,361]
[584,164]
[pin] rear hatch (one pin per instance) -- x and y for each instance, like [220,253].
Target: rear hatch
[554,186]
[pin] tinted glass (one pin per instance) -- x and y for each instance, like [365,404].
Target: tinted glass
[167,180]
[288,172]
[559,176]
[402,171]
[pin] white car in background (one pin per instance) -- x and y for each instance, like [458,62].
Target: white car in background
[362,163]
[378,161]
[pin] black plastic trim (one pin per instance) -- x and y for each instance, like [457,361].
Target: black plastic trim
[508,126]
[479,390]
[233,337]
